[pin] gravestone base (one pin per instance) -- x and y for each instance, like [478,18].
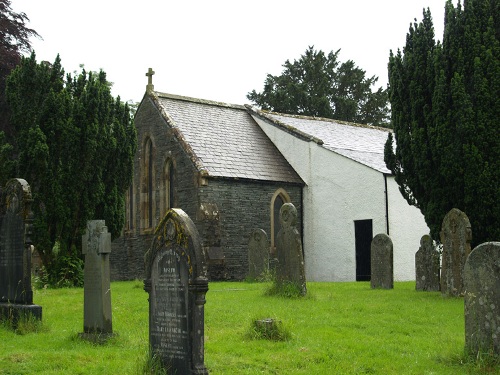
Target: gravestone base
[96,337]
[13,312]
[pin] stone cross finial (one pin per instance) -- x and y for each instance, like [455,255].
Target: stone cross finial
[149,74]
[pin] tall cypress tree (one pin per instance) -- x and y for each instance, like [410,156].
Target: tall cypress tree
[445,113]
[75,147]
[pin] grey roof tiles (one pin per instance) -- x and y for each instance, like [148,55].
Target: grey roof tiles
[361,143]
[225,139]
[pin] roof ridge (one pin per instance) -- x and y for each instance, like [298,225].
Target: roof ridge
[197,100]
[299,133]
[326,119]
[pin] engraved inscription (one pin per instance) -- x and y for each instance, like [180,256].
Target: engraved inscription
[169,320]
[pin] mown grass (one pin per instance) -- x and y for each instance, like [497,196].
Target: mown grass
[338,328]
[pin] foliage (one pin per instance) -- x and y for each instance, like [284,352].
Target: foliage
[14,40]
[26,323]
[319,85]
[445,101]
[74,145]
[285,289]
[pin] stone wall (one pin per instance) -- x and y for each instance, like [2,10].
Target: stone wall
[225,211]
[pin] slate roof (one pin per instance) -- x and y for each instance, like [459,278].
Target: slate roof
[361,143]
[224,139]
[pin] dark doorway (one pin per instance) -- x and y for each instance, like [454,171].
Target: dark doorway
[363,232]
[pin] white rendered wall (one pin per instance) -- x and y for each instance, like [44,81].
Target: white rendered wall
[338,192]
[406,228]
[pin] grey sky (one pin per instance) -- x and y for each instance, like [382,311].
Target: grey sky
[219,49]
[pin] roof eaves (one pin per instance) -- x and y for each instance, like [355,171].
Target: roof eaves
[178,135]
[288,128]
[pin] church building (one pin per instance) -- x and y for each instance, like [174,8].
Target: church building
[231,167]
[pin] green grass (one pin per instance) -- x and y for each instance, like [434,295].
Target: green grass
[338,328]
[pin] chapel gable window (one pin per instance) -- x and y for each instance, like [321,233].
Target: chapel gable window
[167,191]
[147,189]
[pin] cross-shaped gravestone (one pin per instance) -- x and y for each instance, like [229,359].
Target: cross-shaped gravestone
[150,74]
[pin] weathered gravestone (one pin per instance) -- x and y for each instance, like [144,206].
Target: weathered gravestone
[290,265]
[176,282]
[382,268]
[456,236]
[427,266]
[258,254]
[482,299]
[96,246]
[16,218]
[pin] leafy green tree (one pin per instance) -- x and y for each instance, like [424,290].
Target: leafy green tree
[14,40]
[75,146]
[445,101]
[319,85]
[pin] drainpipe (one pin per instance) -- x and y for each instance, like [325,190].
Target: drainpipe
[386,205]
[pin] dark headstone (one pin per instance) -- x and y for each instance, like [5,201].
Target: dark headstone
[176,282]
[258,254]
[482,299]
[427,266]
[382,268]
[16,218]
[290,265]
[456,236]
[96,246]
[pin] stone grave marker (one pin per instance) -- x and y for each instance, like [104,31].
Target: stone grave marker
[456,236]
[427,266]
[96,247]
[290,259]
[482,299]
[16,220]
[382,266]
[258,254]
[176,282]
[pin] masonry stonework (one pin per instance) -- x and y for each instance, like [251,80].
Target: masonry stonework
[224,210]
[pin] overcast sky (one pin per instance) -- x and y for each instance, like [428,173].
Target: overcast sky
[216,49]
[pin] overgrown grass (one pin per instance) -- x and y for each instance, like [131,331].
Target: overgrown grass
[344,328]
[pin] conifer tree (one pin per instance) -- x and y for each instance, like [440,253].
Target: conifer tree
[75,145]
[317,84]
[445,101]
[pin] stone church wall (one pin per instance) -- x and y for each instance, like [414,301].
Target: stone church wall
[225,211]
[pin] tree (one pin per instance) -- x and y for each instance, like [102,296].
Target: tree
[445,101]
[14,40]
[319,85]
[75,146]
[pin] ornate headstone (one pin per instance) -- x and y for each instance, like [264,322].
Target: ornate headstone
[258,253]
[176,282]
[96,246]
[482,299]
[427,266]
[16,218]
[290,266]
[382,267]
[456,236]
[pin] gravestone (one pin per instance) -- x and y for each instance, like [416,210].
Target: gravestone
[16,221]
[290,259]
[258,254]
[427,266]
[482,300]
[382,267]
[176,282]
[456,236]
[96,247]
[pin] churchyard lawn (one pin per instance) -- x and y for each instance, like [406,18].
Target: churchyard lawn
[338,328]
